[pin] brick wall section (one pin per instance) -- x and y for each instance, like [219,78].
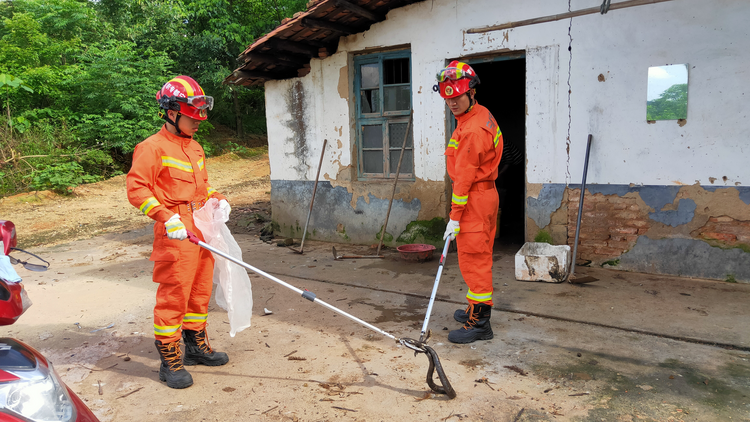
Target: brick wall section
[610,225]
[725,230]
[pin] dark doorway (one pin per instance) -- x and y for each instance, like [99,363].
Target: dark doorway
[503,92]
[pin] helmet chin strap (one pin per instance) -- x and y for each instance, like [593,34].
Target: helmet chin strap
[471,102]
[176,124]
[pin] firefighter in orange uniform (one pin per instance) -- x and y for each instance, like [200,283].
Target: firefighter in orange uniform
[472,158]
[167,182]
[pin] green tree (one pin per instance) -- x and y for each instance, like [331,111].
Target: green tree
[671,105]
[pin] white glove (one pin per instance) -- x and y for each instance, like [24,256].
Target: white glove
[175,228]
[451,230]
[224,206]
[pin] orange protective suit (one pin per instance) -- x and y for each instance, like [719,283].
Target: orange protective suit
[169,177]
[473,155]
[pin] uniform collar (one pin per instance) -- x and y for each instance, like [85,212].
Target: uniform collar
[174,138]
[469,114]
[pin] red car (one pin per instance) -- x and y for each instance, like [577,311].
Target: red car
[30,389]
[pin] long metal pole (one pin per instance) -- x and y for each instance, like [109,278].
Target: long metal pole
[305,293]
[435,289]
[580,207]
[395,181]
[560,16]
[315,188]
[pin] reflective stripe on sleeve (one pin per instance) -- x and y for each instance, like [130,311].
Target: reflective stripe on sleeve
[148,205]
[201,164]
[479,297]
[195,317]
[178,164]
[460,200]
[210,190]
[498,134]
[166,330]
[453,144]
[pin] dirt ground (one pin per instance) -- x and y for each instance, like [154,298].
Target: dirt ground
[565,361]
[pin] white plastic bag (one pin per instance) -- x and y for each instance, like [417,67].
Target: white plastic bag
[234,293]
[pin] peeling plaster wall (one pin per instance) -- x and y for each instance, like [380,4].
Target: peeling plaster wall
[586,75]
[682,230]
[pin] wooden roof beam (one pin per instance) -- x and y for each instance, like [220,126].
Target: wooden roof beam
[329,26]
[278,59]
[256,74]
[359,10]
[292,47]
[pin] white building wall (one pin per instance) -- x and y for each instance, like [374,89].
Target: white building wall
[712,37]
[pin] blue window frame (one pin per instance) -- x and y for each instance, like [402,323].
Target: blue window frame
[382,86]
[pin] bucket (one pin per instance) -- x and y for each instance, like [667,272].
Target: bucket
[416,252]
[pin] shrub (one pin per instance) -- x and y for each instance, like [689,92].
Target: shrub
[61,178]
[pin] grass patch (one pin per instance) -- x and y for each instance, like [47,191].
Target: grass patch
[543,236]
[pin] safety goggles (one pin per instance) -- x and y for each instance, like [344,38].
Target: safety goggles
[201,102]
[452,73]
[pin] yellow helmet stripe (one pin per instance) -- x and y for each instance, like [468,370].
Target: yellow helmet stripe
[186,84]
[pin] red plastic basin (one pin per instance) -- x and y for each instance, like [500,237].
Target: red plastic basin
[416,252]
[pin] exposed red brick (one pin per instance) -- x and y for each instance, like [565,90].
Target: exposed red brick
[622,246]
[626,215]
[596,214]
[594,236]
[620,206]
[721,219]
[636,223]
[608,252]
[724,237]
[623,230]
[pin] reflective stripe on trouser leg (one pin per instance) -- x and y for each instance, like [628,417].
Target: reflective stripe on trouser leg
[184,272]
[475,242]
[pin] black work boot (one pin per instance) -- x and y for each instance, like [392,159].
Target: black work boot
[197,350]
[477,327]
[171,369]
[462,315]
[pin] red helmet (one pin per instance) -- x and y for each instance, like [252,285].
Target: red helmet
[456,79]
[183,94]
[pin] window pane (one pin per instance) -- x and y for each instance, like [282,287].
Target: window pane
[372,137]
[396,132]
[396,71]
[373,161]
[407,164]
[370,101]
[370,75]
[396,98]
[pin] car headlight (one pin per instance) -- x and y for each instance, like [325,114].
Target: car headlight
[32,389]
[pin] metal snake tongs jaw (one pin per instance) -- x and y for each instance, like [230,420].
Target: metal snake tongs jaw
[435,366]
